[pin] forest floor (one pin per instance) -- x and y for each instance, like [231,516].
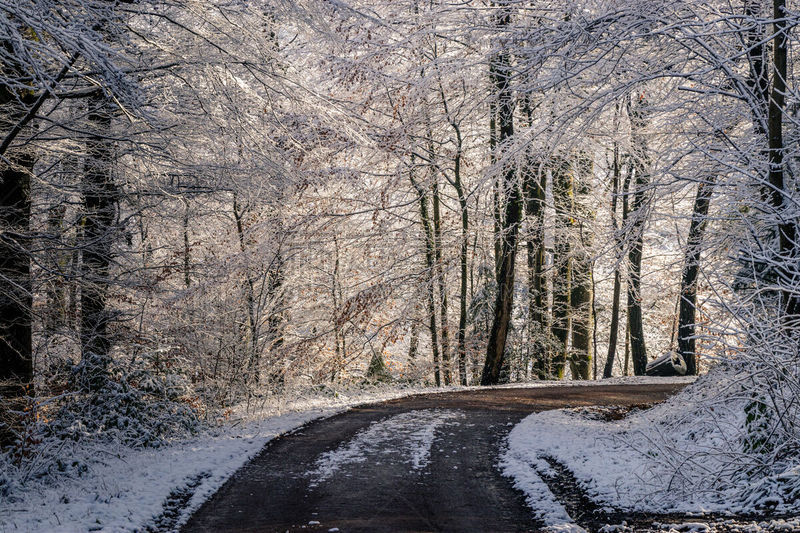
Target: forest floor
[431,463]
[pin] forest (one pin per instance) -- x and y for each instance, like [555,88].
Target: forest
[209,204]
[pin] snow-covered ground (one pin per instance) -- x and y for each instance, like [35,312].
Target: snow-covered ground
[678,457]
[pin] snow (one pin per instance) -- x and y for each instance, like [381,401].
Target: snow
[405,438]
[128,489]
[542,502]
[678,457]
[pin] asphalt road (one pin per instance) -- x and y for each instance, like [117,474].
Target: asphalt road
[367,470]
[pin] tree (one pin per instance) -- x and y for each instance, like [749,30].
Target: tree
[637,112]
[16,357]
[512,218]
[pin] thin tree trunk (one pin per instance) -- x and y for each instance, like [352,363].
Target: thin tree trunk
[615,299]
[429,274]
[275,323]
[462,259]
[187,280]
[252,376]
[691,267]
[443,322]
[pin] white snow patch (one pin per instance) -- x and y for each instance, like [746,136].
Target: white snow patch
[542,502]
[408,436]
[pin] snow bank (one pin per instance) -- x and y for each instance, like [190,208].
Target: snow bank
[126,489]
[684,455]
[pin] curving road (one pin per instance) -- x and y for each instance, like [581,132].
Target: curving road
[422,463]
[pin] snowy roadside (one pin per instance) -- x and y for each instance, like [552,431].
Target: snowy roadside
[157,489]
[652,461]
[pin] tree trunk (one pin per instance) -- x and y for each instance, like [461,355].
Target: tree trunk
[561,171]
[16,358]
[638,214]
[581,283]
[781,197]
[462,259]
[252,376]
[535,183]
[275,323]
[100,199]
[429,274]
[443,322]
[187,280]
[495,351]
[618,242]
[691,267]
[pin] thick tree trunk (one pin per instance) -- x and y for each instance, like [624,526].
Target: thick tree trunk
[16,360]
[495,351]
[691,267]
[100,199]
[535,183]
[582,282]
[580,303]
[637,114]
[561,171]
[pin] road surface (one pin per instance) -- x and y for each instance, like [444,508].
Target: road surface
[422,463]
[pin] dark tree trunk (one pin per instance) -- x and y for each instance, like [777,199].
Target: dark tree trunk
[442,285]
[187,280]
[275,323]
[462,260]
[16,361]
[582,282]
[430,266]
[780,196]
[691,267]
[561,171]
[252,376]
[535,183]
[100,198]
[495,351]
[615,299]
[636,111]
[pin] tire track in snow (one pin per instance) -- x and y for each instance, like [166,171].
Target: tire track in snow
[404,438]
